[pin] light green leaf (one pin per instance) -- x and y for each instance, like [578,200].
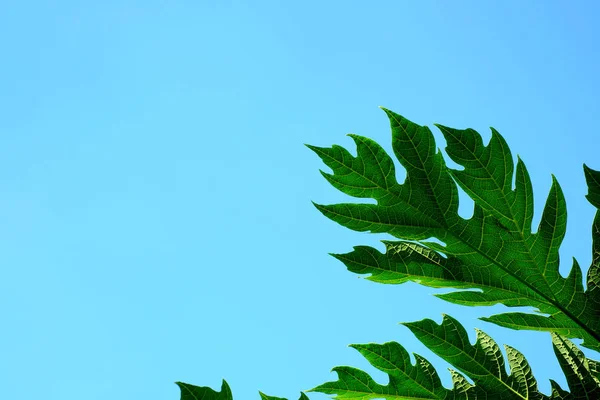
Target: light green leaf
[483,363]
[583,375]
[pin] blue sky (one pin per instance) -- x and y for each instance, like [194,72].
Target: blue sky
[155,192]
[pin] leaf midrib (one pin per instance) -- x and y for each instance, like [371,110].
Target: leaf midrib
[549,300]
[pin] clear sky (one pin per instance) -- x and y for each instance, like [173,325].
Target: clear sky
[156,222]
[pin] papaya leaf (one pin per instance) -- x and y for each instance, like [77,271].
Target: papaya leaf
[482,362]
[265,397]
[593,180]
[583,375]
[191,392]
[494,251]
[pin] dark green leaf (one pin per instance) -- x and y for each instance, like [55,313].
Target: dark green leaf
[494,253]
[191,392]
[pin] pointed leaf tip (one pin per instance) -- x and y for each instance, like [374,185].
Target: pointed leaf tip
[592,179]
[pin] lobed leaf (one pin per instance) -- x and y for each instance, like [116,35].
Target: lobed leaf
[494,251]
[583,375]
[482,362]
[191,392]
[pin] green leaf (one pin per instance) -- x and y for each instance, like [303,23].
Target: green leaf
[593,181]
[494,252]
[492,258]
[593,276]
[583,375]
[482,362]
[191,392]
[265,397]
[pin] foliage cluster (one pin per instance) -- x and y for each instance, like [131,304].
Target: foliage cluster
[493,252]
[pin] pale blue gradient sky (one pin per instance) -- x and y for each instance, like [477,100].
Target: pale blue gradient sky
[156,222]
